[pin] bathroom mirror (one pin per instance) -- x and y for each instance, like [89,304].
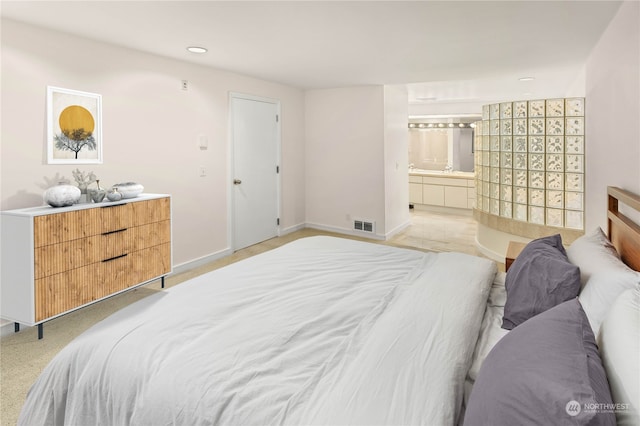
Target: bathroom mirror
[437,147]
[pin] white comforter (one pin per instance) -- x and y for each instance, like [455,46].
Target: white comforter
[320,331]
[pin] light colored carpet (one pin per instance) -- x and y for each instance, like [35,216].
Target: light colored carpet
[23,356]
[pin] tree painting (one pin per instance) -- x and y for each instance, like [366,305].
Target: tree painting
[77,126]
[74,126]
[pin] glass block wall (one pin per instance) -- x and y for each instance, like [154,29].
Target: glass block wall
[529,161]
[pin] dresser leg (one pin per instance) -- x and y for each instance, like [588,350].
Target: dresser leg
[40,331]
[162,281]
[16,327]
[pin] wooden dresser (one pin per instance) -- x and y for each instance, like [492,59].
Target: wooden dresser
[56,260]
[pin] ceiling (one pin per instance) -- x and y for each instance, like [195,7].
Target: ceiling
[445,51]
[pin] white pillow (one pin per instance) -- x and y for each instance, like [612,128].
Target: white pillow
[592,253]
[604,276]
[619,343]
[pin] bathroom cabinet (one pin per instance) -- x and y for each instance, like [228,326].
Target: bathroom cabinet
[456,189]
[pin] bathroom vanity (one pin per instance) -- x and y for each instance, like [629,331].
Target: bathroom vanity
[444,189]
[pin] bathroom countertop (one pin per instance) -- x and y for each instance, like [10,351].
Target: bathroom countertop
[438,173]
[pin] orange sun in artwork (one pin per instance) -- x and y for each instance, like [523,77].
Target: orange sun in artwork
[76,122]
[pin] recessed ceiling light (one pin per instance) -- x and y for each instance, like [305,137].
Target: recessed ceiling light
[197,49]
[526,78]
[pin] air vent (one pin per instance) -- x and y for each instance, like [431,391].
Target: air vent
[363,225]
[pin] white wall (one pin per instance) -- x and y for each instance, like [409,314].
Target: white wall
[396,153]
[612,113]
[345,177]
[357,158]
[150,128]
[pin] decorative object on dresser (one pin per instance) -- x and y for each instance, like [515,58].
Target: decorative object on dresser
[55,261]
[114,195]
[129,189]
[83,180]
[97,194]
[62,195]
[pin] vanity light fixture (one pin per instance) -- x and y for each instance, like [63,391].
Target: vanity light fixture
[197,49]
[441,125]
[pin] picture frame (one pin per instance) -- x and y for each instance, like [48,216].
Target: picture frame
[74,126]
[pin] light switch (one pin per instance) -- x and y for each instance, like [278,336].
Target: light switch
[203,142]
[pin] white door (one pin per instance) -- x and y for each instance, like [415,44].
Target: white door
[255,140]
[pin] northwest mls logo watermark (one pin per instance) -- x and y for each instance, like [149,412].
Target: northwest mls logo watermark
[573,408]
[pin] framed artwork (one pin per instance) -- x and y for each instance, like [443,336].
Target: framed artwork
[74,127]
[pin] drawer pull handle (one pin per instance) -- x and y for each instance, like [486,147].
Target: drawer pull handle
[112,205]
[113,232]
[115,257]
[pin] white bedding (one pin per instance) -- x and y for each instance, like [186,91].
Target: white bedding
[491,331]
[320,331]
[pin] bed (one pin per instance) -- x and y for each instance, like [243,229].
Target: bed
[322,330]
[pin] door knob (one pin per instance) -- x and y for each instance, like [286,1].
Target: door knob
[237,181]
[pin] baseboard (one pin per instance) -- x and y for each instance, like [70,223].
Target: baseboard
[397,230]
[6,328]
[195,263]
[292,229]
[444,210]
[345,231]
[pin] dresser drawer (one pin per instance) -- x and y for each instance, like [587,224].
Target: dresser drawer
[59,293]
[134,268]
[152,262]
[69,226]
[151,234]
[115,275]
[55,258]
[58,228]
[115,217]
[151,211]
[116,243]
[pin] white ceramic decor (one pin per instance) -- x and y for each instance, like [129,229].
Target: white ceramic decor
[62,195]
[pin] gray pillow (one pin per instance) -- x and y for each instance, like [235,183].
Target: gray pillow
[547,371]
[540,278]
